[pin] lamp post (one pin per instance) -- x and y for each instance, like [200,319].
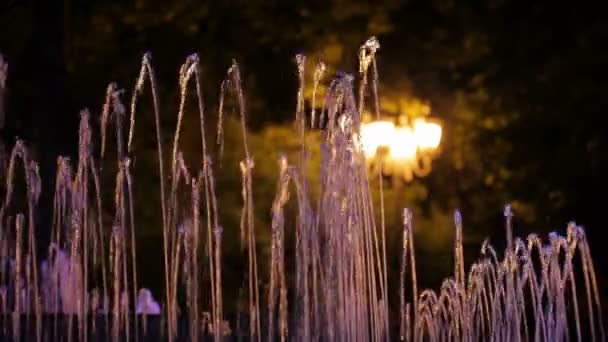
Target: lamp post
[403,151]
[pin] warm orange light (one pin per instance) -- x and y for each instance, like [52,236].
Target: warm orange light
[376,134]
[403,144]
[410,148]
[428,134]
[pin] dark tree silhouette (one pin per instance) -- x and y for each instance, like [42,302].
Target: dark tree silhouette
[50,126]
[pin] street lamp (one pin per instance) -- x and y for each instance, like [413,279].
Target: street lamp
[401,150]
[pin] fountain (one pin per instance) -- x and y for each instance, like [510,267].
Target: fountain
[87,289]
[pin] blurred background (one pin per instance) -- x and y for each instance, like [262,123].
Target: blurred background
[519,89]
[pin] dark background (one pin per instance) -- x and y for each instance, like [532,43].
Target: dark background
[519,86]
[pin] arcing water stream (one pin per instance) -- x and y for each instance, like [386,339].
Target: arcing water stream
[340,277]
